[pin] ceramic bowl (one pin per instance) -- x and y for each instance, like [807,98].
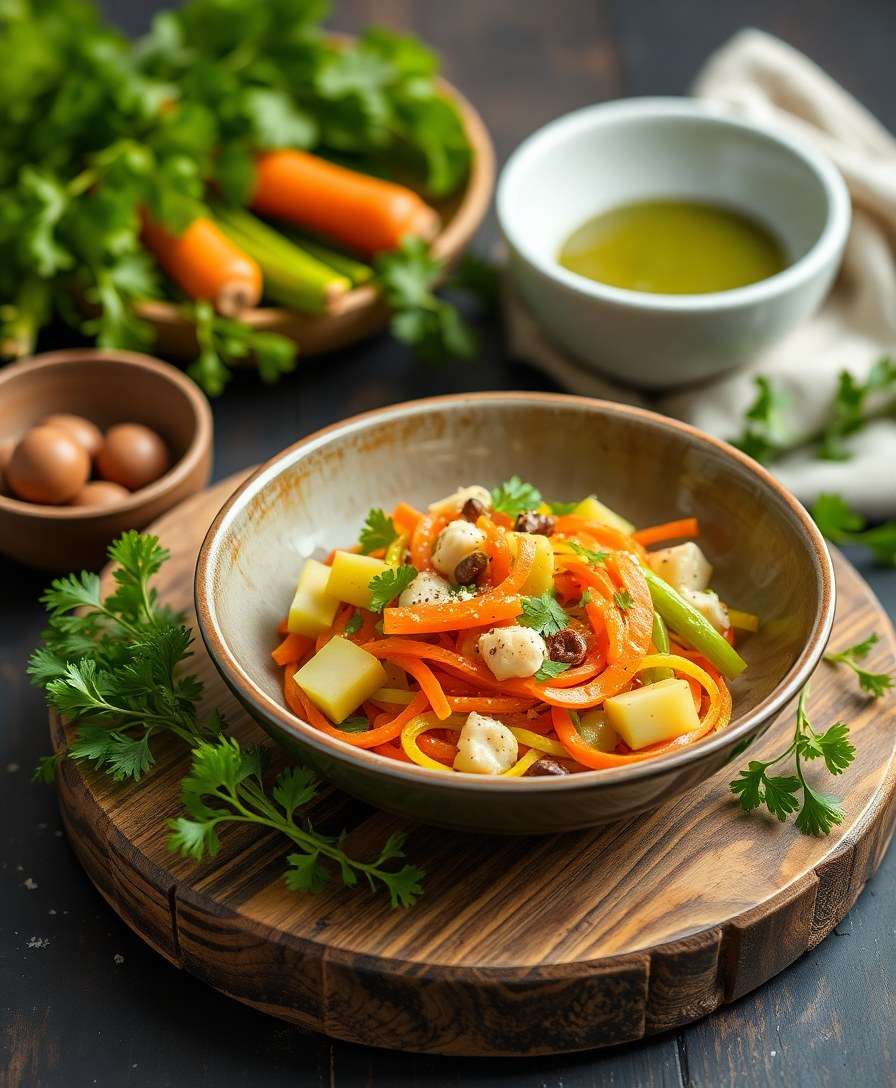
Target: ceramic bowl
[768,554]
[640,149]
[106,387]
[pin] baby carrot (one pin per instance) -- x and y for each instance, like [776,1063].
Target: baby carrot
[366,214]
[206,264]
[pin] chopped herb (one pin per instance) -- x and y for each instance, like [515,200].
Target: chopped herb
[379,531]
[545,614]
[515,496]
[562,508]
[586,598]
[549,669]
[766,433]
[623,599]
[874,683]
[595,558]
[354,624]
[387,586]
[780,794]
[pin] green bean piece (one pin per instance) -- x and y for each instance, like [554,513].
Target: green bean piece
[660,638]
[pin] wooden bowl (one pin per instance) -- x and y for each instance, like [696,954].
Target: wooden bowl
[358,313]
[769,557]
[106,387]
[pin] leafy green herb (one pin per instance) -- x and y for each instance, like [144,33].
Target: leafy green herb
[783,795]
[549,669]
[113,665]
[623,599]
[354,624]
[562,508]
[842,525]
[379,531]
[595,558]
[586,598]
[515,496]
[769,433]
[874,683]
[224,342]
[545,614]
[226,785]
[357,723]
[387,586]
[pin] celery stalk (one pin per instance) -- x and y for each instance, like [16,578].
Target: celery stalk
[692,627]
[661,642]
[358,272]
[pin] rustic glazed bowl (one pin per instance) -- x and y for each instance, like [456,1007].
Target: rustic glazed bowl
[106,387]
[769,558]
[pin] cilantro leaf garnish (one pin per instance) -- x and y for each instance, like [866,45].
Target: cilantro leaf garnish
[623,599]
[783,795]
[561,508]
[385,587]
[874,683]
[354,624]
[549,669]
[545,614]
[586,598]
[595,558]
[515,496]
[766,431]
[114,666]
[357,723]
[842,525]
[379,531]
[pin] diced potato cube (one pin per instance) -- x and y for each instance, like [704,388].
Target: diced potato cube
[594,510]
[597,731]
[350,577]
[653,713]
[684,566]
[313,609]
[541,577]
[340,677]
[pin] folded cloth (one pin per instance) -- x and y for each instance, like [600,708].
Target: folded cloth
[761,77]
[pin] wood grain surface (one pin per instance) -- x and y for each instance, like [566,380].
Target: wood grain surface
[519,946]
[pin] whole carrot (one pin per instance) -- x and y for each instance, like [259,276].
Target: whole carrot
[206,264]
[366,214]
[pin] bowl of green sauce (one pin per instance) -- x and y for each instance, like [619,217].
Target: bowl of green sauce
[664,241]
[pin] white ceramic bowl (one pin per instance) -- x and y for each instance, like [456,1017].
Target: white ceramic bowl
[649,148]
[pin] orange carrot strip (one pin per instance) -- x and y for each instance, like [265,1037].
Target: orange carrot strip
[291,650]
[487,704]
[283,627]
[500,603]
[392,751]
[437,748]
[498,549]
[405,518]
[365,213]
[669,530]
[467,668]
[423,539]
[425,677]
[205,264]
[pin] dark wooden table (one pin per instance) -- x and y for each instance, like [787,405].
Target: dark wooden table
[82,1001]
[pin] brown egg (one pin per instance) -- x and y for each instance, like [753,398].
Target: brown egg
[132,455]
[47,466]
[84,432]
[100,493]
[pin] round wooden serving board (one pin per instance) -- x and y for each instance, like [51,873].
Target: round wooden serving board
[518,946]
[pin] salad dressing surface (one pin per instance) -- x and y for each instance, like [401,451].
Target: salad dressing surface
[673,247]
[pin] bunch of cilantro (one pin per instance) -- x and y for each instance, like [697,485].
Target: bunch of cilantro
[96,128]
[114,666]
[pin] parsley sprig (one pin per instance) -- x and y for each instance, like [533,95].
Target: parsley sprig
[590,555]
[226,785]
[549,669]
[544,614]
[515,496]
[783,795]
[385,587]
[114,666]
[769,431]
[874,684]
[379,531]
[842,525]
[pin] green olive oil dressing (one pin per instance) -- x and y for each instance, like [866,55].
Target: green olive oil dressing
[673,247]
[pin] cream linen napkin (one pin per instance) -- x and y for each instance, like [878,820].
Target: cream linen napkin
[763,78]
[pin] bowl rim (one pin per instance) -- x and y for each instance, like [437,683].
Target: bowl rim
[199,443]
[582,122]
[241,683]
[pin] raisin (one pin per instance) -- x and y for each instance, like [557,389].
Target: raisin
[567,646]
[532,522]
[468,571]
[472,509]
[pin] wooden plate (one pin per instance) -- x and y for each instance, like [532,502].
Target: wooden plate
[358,313]
[518,946]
